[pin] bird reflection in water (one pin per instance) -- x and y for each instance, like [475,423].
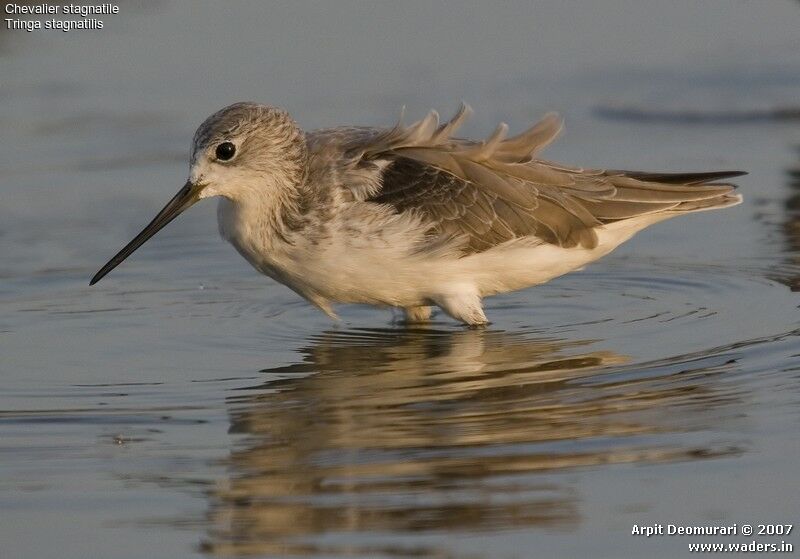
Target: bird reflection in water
[380,436]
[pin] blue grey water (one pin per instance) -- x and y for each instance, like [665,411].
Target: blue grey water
[187,406]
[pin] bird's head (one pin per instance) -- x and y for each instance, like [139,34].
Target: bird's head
[247,149]
[241,152]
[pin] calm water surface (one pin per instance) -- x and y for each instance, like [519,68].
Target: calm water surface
[188,407]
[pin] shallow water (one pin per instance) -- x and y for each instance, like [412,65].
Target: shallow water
[186,406]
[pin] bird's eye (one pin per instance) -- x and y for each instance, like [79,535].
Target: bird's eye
[225,151]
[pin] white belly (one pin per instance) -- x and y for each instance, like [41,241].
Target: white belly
[356,269]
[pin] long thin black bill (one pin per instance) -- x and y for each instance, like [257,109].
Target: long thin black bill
[185,197]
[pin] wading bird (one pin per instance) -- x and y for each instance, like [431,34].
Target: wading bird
[412,216]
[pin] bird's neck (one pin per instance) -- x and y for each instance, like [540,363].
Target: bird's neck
[264,220]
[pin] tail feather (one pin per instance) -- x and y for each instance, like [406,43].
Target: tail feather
[679,178]
[724,201]
[670,193]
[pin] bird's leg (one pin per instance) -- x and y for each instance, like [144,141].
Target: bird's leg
[417,314]
[322,304]
[463,304]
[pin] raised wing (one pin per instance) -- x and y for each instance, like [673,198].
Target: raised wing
[495,191]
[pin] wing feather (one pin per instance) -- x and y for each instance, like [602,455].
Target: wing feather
[495,191]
